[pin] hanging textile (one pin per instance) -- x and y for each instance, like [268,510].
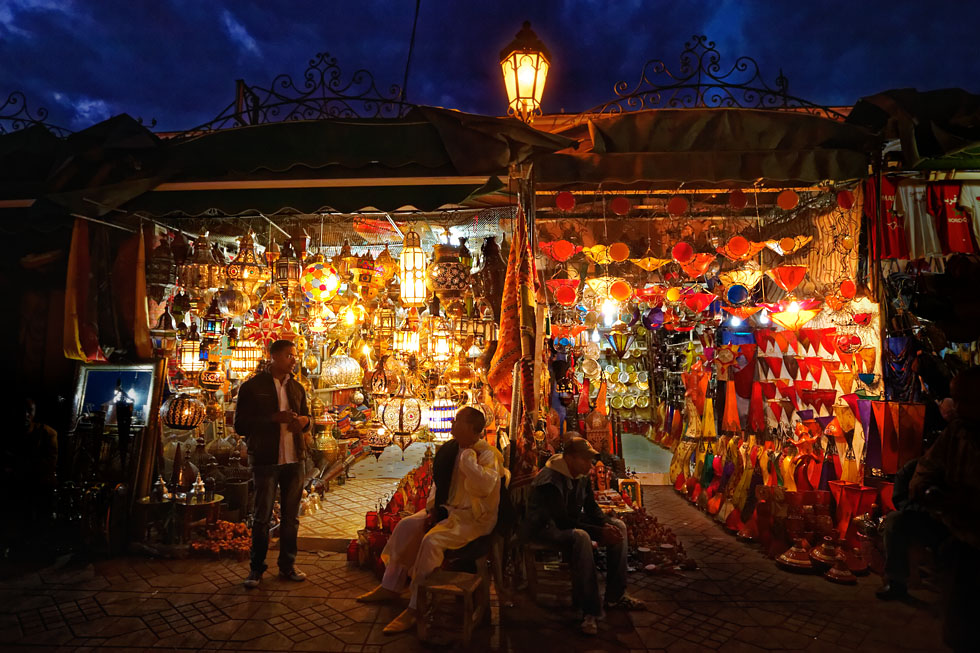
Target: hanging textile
[518,285]
[952,223]
[893,241]
[708,428]
[757,417]
[80,336]
[911,203]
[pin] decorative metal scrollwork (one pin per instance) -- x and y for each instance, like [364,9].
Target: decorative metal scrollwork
[702,80]
[16,115]
[321,94]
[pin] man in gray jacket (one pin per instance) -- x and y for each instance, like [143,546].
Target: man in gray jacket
[562,511]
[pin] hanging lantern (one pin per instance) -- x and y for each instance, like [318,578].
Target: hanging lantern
[747,277]
[232,301]
[288,270]
[388,265]
[442,413]
[367,278]
[565,291]
[161,271]
[401,414]
[460,377]
[213,324]
[352,314]
[381,381]
[341,371]
[316,322]
[441,341]
[319,281]
[245,358]
[192,355]
[266,324]
[182,412]
[621,339]
[245,269]
[602,286]
[413,265]
[272,253]
[164,335]
[406,341]
[202,272]
[525,63]
[385,320]
[212,377]
[794,320]
[446,276]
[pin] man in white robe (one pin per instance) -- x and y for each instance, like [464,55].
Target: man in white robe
[418,543]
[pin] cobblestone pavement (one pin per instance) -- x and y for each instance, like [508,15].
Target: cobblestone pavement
[737,601]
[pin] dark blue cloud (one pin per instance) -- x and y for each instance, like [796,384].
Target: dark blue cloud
[177,60]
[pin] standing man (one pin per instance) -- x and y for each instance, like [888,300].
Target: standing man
[273,416]
[562,511]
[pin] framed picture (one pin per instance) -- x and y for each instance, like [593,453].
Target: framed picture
[102,387]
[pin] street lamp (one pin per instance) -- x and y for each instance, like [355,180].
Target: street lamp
[525,63]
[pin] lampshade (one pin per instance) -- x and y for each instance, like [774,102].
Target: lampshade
[745,277]
[524,64]
[413,264]
[367,278]
[387,264]
[794,320]
[212,377]
[164,335]
[788,277]
[621,339]
[602,286]
[182,412]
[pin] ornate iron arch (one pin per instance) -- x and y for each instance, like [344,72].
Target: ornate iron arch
[16,115]
[321,94]
[702,80]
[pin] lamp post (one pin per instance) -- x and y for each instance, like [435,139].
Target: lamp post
[525,63]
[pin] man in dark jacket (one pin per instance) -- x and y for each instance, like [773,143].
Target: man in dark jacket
[562,510]
[273,416]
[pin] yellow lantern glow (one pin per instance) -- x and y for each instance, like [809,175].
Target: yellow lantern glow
[245,358]
[413,266]
[525,63]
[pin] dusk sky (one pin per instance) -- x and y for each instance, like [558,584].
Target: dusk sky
[177,60]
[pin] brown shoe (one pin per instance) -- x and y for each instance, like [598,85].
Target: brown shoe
[378,595]
[402,623]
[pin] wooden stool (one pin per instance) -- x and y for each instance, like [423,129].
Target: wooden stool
[548,573]
[440,619]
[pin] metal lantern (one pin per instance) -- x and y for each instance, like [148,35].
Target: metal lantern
[525,63]
[388,265]
[401,414]
[446,276]
[367,278]
[385,320]
[192,355]
[212,377]
[319,281]
[441,415]
[441,341]
[245,358]
[316,321]
[161,272]
[164,335]
[413,265]
[213,324]
[245,269]
[182,412]
[288,270]
[233,301]
[406,340]
[461,377]
[272,253]
[203,271]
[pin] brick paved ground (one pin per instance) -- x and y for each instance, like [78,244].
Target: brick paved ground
[736,601]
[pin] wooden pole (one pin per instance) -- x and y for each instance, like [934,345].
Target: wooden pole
[148,441]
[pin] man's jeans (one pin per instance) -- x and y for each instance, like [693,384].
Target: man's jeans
[290,481]
[585,578]
[902,529]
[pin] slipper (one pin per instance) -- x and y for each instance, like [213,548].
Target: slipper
[402,623]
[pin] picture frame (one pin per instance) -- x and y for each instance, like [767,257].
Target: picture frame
[95,387]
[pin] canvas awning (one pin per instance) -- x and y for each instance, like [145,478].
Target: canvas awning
[938,130]
[712,146]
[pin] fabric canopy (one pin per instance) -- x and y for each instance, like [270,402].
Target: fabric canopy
[711,145]
[938,130]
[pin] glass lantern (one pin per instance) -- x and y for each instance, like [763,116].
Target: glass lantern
[524,64]
[164,335]
[441,415]
[193,357]
[413,265]
[441,341]
[245,358]
[288,270]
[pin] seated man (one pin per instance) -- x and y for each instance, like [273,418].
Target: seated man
[462,506]
[562,510]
